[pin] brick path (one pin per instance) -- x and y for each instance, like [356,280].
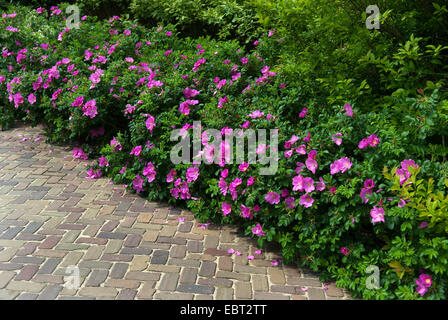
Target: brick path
[125,247]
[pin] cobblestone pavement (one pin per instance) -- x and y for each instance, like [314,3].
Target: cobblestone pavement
[125,247]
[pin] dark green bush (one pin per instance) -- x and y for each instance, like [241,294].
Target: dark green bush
[100,8]
[330,52]
[224,19]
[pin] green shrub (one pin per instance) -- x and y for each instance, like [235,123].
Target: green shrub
[328,51]
[100,8]
[225,19]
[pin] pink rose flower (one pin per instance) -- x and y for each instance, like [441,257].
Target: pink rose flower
[136,151]
[226,208]
[348,110]
[258,230]
[192,174]
[306,200]
[150,123]
[272,197]
[90,109]
[31,98]
[137,184]
[377,214]
[336,139]
[243,166]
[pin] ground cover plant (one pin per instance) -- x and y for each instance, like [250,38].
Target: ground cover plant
[361,178]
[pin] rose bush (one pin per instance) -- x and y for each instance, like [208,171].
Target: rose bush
[342,196]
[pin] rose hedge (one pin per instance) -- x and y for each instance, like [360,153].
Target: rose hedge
[352,188]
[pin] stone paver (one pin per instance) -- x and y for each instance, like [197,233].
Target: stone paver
[53,219]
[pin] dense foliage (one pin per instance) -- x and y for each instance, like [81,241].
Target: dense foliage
[361,118]
[223,19]
[220,19]
[100,8]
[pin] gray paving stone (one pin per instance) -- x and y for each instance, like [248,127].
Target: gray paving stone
[27,296]
[36,188]
[11,233]
[316,294]
[113,246]
[185,227]
[8,183]
[171,240]
[33,227]
[5,277]
[10,266]
[96,278]
[224,293]
[136,251]
[194,246]
[169,282]
[111,235]
[75,298]
[208,269]
[188,275]
[8,294]
[178,251]
[95,264]
[50,293]
[28,260]
[49,266]
[133,240]
[127,294]
[37,195]
[159,257]
[192,288]
[30,237]
[119,270]
[12,223]
[184,262]
[72,246]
